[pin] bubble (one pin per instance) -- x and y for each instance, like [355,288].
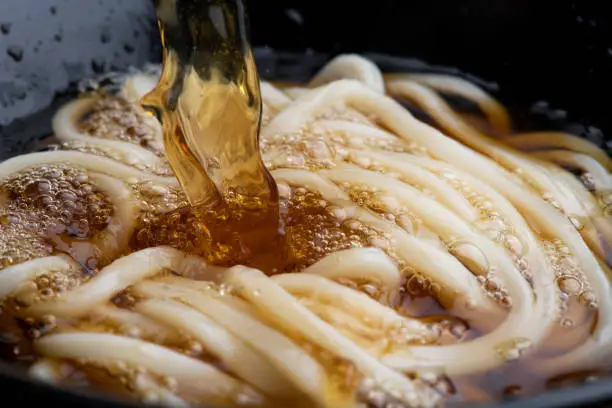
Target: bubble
[390,203]
[444,386]
[150,398]
[339,213]
[523,265]
[496,223]
[513,348]
[605,198]
[379,242]
[114,117]
[492,285]
[132,331]
[569,284]
[34,333]
[48,320]
[156,190]
[364,162]
[170,382]
[588,298]
[471,256]
[435,289]
[417,284]
[513,243]
[576,222]
[195,347]
[408,223]
[284,191]
[428,376]
[458,329]
[370,290]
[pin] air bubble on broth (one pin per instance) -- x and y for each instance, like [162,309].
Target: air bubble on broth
[49,207]
[115,118]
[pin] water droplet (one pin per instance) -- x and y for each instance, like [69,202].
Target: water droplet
[15,52]
[576,222]
[128,48]
[97,66]
[105,36]
[295,16]
[5,28]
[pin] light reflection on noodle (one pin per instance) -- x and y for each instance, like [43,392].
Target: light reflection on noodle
[504,239]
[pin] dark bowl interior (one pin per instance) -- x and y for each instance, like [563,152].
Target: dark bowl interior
[548,60]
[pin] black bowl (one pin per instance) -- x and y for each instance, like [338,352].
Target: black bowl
[549,60]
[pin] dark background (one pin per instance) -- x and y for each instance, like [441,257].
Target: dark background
[557,51]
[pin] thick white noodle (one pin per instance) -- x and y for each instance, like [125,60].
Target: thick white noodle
[14,276]
[235,354]
[87,161]
[284,310]
[350,67]
[114,278]
[64,128]
[194,376]
[579,161]
[495,111]
[556,140]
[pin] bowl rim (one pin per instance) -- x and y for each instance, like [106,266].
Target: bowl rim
[596,394]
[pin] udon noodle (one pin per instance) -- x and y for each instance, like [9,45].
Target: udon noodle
[428,254]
